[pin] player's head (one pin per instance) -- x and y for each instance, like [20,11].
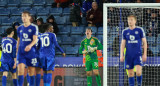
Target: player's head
[48,27]
[10,31]
[132,19]
[94,5]
[88,32]
[26,16]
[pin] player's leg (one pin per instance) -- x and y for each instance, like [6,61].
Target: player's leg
[38,76]
[4,78]
[21,68]
[89,72]
[139,74]
[131,77]
[14,78]
[49,78]
[31,71]
[96,72]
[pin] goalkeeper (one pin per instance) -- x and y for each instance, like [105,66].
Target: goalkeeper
[88,47]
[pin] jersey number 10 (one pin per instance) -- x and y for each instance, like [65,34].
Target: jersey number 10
[45,41]
[7,48]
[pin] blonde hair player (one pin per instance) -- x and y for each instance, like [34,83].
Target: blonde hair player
[132,38]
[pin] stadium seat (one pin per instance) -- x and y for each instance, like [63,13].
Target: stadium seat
[84,21]
[16,12]
[68,20]
[33,11]
[72,51]
[2,29]
[49,2]
[60,20]
[13,3]
[7,21]
[66,11]
[19,20]
[4,12]
[77,30]
[100,30]
[43,11]
[26,3]
[56,11]
[100,38]
[67,41]
[3,3]
[151,40]
[39,2]
[64,31]
[155,50]
[77,39]
[59,40]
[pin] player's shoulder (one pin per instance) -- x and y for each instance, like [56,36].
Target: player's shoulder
[83,40]
[34,26]
[125,30]
[139,28]
[95,38]
[20,27]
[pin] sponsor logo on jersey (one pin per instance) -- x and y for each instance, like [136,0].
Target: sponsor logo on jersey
[132,39]
[25,37]
[127,33]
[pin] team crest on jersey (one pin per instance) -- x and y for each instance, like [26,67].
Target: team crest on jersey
[127,33]
[29,30]
[136,32]
[127,66]
[92,41]
[20,31]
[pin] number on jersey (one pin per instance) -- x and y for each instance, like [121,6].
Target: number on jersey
[45,41]
[7,48]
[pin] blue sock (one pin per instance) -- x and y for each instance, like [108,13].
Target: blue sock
[15,82]
[131,81]
[28,78]
[38,79]
[44,79]
[139,80]
[4,80]
[49,79]
[20,80]
[32,81]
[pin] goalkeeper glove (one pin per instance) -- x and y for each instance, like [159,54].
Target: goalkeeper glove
[92,49]
[84,52]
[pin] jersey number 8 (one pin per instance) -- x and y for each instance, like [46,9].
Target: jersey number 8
[45,41]
[7,48]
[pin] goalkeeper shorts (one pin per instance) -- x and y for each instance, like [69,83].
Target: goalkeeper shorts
[92,64]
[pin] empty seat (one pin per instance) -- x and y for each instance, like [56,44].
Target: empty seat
[56,11]
[3,3]
[100,30]
[77,30]
[72,51]
[13,3]
[78,39]
[49,2]
[4,12]
[100,38]
[65,30]
[60,20]
[66,11]
[151,40]
[27,3]
[68,20]
[16,12]
[43,11]
[7,21]
[19,20]
[39,2]
[31,10]
[67,41]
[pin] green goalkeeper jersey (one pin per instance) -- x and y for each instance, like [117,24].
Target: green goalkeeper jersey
[92,42]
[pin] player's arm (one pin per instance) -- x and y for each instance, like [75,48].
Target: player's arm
[144,57]
[57,45]
[17,45]
[123,44]
[18,39]
[14,55]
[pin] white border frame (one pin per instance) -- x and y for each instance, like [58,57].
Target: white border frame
[105,5]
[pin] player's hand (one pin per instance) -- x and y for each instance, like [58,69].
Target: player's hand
[28,48]
[92,49]
[91,16]
[144,58]
[84,52]
[122,59]
[14,67]
[64,55]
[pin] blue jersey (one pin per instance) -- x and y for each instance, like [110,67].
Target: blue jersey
[8,50]
[38,45]
[133,40]
[48,45]
[26,36]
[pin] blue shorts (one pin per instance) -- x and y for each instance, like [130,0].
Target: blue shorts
[8,67]
[39,63]
[48,63]
[28,58]
[132,60]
